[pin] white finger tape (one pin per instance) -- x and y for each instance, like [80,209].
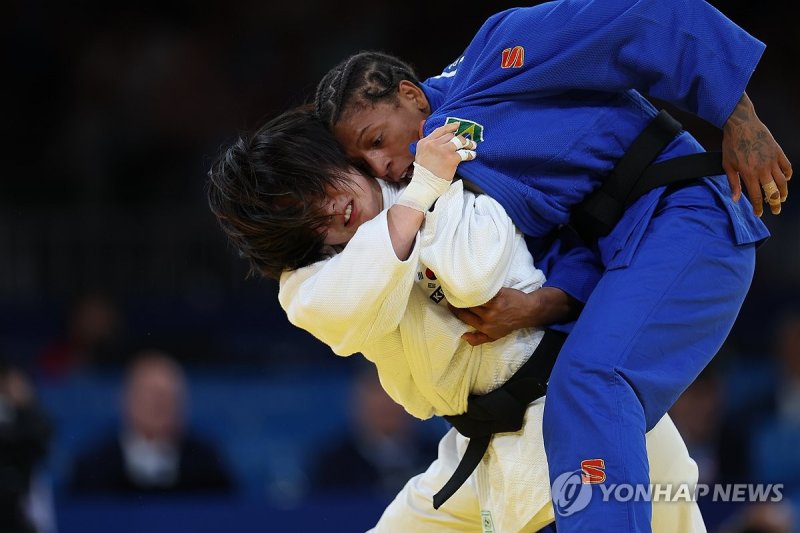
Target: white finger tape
[466,155]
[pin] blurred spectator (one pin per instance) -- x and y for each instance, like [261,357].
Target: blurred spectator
[788,352]
[774,444]
[717,440]
[24,437]
[698,418]
[94,335]
[761,518]
[756,442]
[152,453]
[383,449]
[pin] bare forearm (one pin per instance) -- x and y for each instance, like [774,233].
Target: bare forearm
[551,306]
[511,309]
[404,223]
[434,167]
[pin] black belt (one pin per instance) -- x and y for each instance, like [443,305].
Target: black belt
[636,174]
[501,410]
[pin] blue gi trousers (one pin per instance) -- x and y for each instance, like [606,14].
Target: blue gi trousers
[646,332]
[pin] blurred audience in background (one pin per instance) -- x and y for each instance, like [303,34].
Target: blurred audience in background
[153,451]
[787,393]
[698,416]
[741,422]
[382,449]
[775,450]
[25,432]
[94,337]
[717,440]
[765,517]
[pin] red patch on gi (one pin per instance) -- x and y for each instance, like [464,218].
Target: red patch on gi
[513,57]
[593,471]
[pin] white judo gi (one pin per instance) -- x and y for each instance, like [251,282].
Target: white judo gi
[394,312]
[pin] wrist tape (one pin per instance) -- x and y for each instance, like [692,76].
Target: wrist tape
[424,189]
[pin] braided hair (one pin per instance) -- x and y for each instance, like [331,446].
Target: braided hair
[267,191]
[362,79]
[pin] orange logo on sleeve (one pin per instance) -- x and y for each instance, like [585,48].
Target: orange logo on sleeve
[513,57]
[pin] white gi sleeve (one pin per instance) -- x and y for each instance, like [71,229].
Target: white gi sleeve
[355,297]
[468,242]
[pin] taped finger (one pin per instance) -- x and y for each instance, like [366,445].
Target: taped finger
[466,155]
[771,191]
[772,196]
[457,142]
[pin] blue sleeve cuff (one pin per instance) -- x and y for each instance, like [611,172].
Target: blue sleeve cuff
[568,263]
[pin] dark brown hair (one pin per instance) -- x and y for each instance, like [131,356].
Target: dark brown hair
[267,191]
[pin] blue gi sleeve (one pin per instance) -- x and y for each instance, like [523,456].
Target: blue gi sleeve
[682,51]
[568,264]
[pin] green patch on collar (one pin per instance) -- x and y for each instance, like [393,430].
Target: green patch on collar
[467,128]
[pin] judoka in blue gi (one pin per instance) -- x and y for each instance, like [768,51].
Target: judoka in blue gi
[554,96]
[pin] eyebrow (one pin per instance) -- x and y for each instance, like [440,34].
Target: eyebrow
[361,133]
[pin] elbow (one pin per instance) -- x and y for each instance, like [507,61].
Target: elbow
[472,294]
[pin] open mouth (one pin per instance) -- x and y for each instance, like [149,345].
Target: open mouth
[407,175]
[347,212]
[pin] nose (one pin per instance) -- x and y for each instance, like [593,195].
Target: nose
[335,206]
[379,164]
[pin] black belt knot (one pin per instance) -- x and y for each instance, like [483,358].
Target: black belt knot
[496,412]
[500,411]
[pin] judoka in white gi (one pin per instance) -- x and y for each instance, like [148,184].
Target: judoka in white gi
[385,295]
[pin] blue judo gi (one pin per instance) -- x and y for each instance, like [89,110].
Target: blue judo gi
[553,95]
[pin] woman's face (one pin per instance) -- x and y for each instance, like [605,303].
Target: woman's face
[350,206]
[379,135]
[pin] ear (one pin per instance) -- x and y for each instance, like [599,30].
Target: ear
[409,90]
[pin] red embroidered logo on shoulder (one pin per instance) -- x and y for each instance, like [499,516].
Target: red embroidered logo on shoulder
[513,57]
